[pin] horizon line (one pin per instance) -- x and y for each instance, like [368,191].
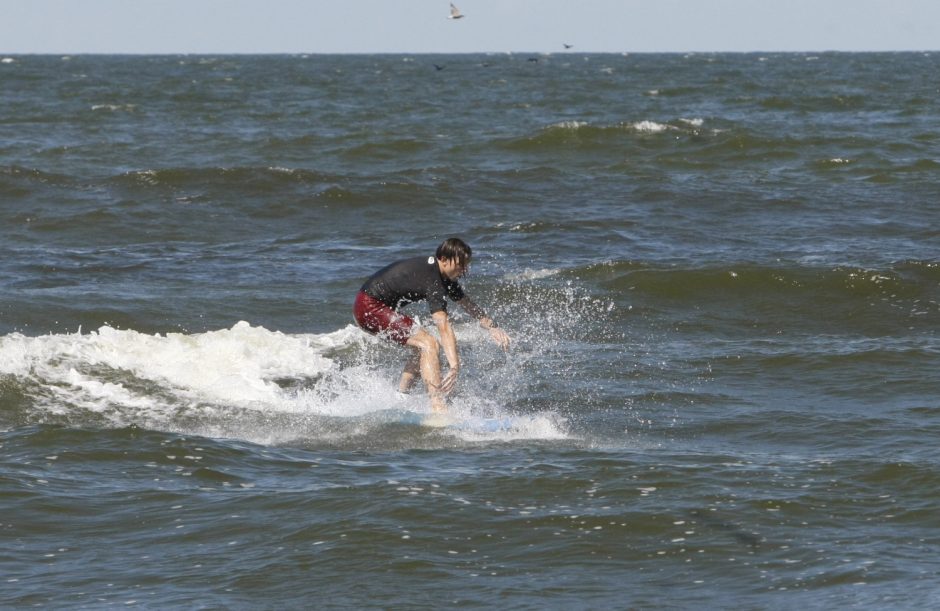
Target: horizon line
[561,52]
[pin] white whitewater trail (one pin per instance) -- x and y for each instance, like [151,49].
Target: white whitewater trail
[129,378]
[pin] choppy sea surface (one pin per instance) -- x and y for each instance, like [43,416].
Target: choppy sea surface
[721,274]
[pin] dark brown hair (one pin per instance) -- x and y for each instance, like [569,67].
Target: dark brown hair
[454,248]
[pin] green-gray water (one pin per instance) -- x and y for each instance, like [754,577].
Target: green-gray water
[720,273]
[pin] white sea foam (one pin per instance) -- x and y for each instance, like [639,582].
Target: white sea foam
[569,124]
[281,170]
[650,127]
[537,426]
[519,226]
[234,365]
[219,377]
[114,107]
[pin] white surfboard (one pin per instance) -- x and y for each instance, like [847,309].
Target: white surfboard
[474,424]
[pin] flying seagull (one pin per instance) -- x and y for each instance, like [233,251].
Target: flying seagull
[455,12]
[567,46]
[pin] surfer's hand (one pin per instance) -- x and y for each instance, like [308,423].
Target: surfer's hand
[450,380]
[500,337]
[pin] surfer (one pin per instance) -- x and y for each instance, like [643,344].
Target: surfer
[432,279]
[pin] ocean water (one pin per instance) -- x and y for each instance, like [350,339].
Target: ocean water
[720,273]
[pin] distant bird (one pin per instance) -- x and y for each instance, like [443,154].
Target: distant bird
[438,67]
[455,12]
[567,46]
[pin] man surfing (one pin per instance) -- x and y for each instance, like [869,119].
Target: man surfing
[432,279]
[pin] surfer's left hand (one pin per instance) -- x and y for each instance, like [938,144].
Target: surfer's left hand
[449,381]
[500,337]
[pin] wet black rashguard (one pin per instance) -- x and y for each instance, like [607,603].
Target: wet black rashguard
[412,280]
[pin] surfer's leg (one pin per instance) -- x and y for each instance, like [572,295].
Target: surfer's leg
[430,366]
[411,372]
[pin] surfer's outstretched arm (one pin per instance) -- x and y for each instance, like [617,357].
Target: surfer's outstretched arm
[498,335]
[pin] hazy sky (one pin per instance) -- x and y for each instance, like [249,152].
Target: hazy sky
[421,26]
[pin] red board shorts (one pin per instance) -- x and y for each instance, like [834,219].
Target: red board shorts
[379,319]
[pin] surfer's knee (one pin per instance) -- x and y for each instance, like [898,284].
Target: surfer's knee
[431,345]
[426,343]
